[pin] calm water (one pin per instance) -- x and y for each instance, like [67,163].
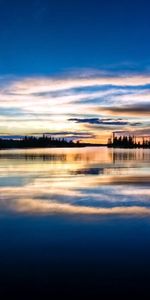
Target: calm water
[74,221]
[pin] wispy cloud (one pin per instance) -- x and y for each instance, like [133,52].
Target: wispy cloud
[141,109]
[105,122]
[79,103]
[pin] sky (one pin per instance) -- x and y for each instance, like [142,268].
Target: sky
[74,69]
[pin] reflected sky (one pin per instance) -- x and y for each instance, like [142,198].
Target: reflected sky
[82,181]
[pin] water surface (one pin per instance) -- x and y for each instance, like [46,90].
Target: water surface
[77,219]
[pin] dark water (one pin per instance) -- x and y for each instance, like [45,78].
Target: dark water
[74,222]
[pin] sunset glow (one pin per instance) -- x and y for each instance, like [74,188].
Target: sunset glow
[86,108]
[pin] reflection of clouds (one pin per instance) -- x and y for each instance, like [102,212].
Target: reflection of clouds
[34,206]
[88,181]
[90,200]
[140,191]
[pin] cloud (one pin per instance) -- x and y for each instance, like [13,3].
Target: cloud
[105,122]
[68,134]
[140,109]
[77,104]
[45,84]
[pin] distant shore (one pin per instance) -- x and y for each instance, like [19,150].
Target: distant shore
[129,142]
[49,142]
[42,142]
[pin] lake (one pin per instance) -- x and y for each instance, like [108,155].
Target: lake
[75,221]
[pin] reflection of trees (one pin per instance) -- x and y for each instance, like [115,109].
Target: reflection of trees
[34,156]
[139,156]
[63,157]
[78,157]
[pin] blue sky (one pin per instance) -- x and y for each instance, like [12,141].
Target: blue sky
[42,42]
[46,37]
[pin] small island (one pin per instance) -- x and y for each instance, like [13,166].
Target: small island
[128,141]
